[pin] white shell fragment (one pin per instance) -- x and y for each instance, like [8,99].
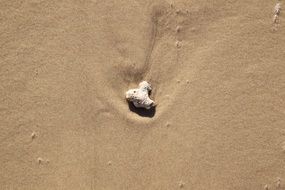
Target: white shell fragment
[140,96]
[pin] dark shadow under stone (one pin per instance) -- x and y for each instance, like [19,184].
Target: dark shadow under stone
[142,111]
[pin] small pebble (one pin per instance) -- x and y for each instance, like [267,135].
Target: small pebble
[167,124]
[178,29]
[277,9]
[187,81]
[181,184]
[109,163]
[178,81]
[278,183]
[178,44]
[275,19]
[40,160]
[33,135]
[266,187]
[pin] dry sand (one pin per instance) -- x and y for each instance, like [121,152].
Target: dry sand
[218,73]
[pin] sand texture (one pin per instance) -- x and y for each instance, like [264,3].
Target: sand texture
[217,70]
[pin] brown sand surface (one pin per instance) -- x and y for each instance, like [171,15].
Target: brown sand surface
[217,69]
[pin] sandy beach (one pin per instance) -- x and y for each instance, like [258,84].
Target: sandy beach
[217,70]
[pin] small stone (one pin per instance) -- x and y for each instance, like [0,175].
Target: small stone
[177,11]
[40,160]
[178,81]
[167,124]
[47,161]
[140,96]
[266,187]
[109,163]
[178,29]
[181,184]
[33,135]
[187,81]
[277,9]
[275,19]
[178,44]
[278,183]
